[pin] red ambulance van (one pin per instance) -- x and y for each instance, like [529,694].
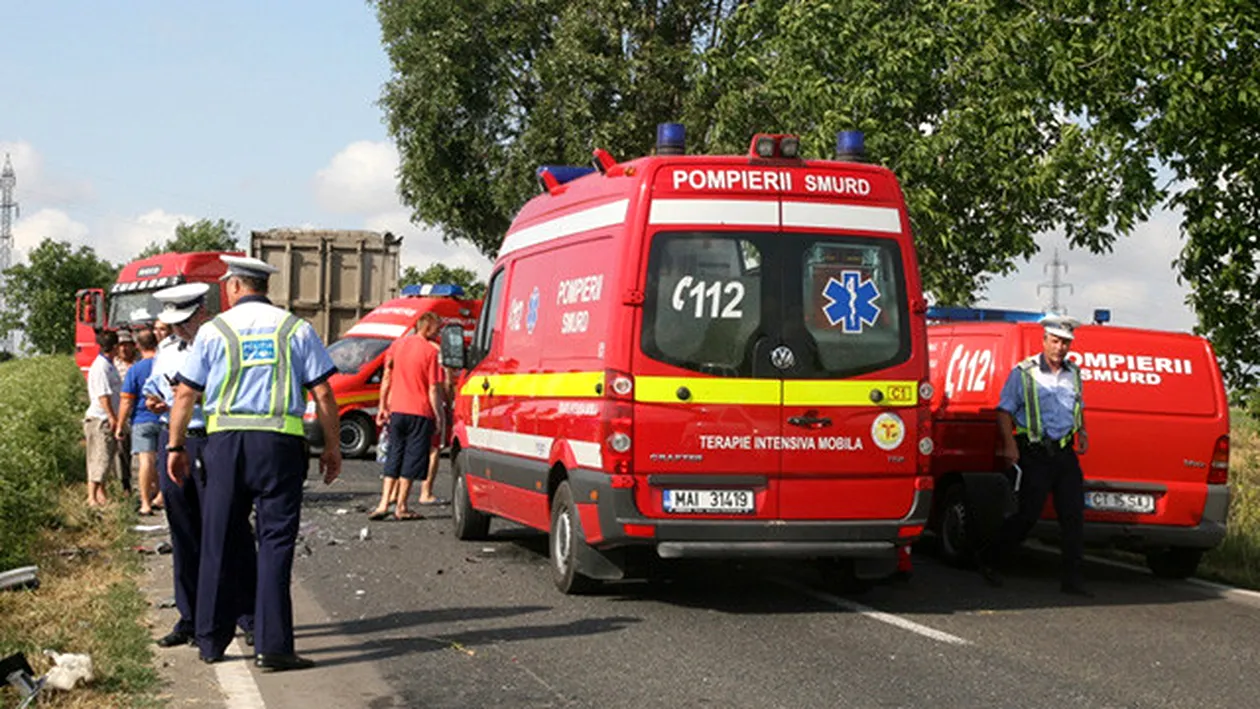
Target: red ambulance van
[701,356]
[1157,468]
[360,358]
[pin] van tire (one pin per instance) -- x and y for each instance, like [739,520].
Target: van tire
[955,542]
[564,541]
[1174,562]
[356,436]
[470,524]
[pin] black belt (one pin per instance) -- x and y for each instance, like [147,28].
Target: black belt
[1048,444]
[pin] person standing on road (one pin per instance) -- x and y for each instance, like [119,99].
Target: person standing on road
[184,312]
[411,399]
[254,362]
[124,357]
[101,418]
[144,423]
[443,417]
[1042,426]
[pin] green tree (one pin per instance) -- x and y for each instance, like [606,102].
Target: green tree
[201,235]
[441,273]
[39,295]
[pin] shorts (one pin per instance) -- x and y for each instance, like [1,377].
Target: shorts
[102,450]
[144,437]
[410,439]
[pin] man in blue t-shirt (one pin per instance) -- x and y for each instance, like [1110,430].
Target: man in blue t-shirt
[143,424]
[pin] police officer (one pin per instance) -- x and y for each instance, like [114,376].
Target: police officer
[184,312]
[1040,417]
[253,362]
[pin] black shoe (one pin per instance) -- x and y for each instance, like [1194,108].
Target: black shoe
[175,638]
[211,660]
[280,663]
[1074,588]
[249,638]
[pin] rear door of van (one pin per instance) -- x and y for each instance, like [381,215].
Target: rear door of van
[1155,410]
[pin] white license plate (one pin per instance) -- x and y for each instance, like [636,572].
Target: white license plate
[1120,502]
[709,501]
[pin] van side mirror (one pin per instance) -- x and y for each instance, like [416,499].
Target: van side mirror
[453,353]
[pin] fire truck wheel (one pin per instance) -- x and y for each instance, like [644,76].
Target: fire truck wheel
[566,536]
[356,434]
[955,546]
[470,524]
[1174,563]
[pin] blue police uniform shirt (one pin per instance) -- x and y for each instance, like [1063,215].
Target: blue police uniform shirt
[166,365]
[1056,397]
[133,383]
[206,367]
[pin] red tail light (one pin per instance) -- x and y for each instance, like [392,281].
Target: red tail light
[617,425]
[1218,471]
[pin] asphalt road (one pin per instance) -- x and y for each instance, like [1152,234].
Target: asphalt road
[444,623]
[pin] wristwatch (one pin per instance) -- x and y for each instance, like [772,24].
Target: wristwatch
[175,449]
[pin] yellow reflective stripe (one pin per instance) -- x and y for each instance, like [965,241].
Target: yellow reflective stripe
[708,390]
[247,422]
[849,392]
[560,385]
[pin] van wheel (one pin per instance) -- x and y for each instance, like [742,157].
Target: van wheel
[955,544]
[566,535]
[1174,563]
[839,574]
[470,524]
[357,434]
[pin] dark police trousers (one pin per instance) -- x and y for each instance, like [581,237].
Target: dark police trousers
[1047,470]
[244,470]
[183,516]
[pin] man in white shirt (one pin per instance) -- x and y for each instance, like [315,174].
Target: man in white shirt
[101,418]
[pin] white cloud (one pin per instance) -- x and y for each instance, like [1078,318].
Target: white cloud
[36,186]
[361,179]
[1137,281]
[122,239]
[55,224]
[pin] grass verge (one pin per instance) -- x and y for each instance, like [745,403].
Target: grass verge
[88,602]
[1237,560]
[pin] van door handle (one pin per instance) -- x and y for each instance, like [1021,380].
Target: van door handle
[810,421]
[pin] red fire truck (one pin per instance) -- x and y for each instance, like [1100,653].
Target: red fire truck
[131,300]
[1157,468]
[701,356]
[360,357]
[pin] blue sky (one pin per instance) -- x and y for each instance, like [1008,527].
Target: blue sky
[124,118]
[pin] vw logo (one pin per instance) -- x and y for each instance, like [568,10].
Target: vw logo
[782,357]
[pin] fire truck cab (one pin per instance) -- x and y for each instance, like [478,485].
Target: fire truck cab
[701,356]
[360,358]
[1157,467]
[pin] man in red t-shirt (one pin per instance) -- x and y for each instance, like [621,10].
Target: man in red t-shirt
[411,401]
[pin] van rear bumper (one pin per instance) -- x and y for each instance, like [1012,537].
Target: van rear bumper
[691,538]
[1205,535]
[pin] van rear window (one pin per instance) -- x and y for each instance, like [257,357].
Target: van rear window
[721,303]
[1144,372]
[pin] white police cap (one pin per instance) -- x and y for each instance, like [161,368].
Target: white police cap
[1060,325]
[181,301]
[247,267]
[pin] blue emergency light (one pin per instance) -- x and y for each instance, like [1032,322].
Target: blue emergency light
[1102,315]
[955,314]
[671,139]
[439,290]
[850,146]
[564,173]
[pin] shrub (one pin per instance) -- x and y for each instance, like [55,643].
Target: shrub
[42,400]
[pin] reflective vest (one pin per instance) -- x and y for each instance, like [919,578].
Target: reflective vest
[1032,405]
[244,351]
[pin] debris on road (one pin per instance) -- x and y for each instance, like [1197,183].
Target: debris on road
[364,534]
[149,528]
[168,602]
[342,511]
[21,577]
[71,668]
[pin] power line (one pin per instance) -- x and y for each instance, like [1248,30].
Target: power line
[8,211]
[1056,284]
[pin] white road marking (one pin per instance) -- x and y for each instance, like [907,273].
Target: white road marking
[873,614]
[237,682]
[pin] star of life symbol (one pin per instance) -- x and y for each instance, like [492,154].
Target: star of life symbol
[851,302]
[531,318]
[782,357]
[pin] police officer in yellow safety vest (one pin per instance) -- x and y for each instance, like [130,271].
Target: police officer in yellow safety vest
[254,364]
[1040,418]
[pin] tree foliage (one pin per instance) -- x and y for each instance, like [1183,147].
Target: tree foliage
[1004,119]
[39,295]
[441,273]
[201,235]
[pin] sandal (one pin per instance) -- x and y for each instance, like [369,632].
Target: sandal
[408,515]
[377,515]
[435,502]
